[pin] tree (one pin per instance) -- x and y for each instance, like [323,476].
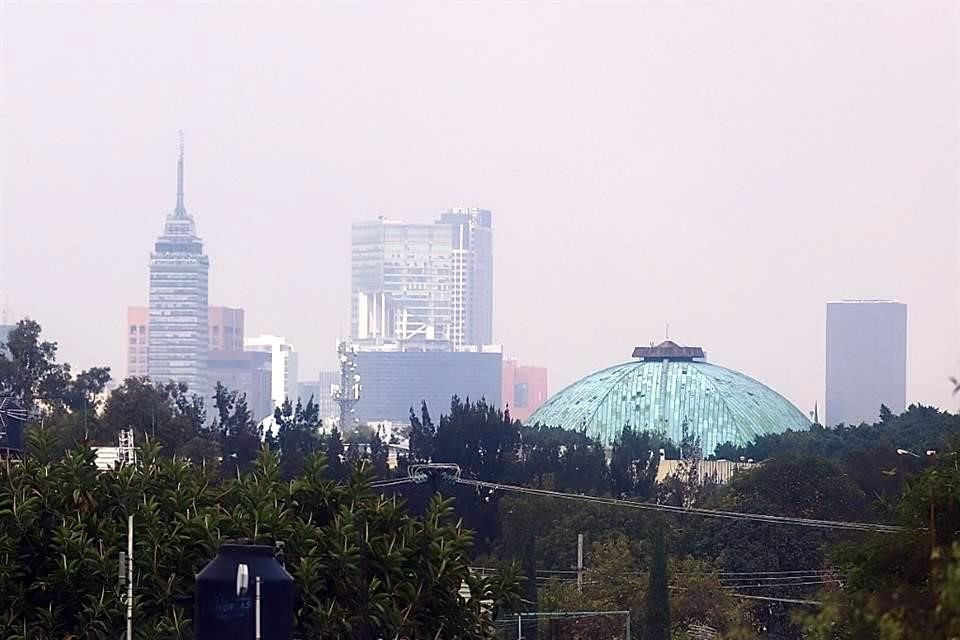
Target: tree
[28,367]
[656,620]
[336,455]
[297,434]
[633,464]
[612,581]
[364,567]
[422,435]
[904,585]
[379,456]
[239,440]
[166,414]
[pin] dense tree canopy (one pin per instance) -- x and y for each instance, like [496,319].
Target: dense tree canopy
[203,478]
[364,566]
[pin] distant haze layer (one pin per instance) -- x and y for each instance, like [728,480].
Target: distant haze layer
[724,168]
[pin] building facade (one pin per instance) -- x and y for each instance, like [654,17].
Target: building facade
[225,328]
[429,285]
[135,338]
[328,380]
[321,391]
[393,382]
[524,389]
[400,282]
[178,338]
[866,353]
[247,372]
[471,275]
[283,366]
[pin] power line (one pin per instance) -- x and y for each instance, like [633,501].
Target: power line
[813,576]
[746,596]
[390,483]
[712,513]
[782,584]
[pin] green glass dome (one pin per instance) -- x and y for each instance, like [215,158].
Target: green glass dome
[669,387]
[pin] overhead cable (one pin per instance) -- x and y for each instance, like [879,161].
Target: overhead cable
[711,513]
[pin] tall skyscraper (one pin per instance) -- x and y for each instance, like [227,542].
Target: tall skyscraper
[471,291]
[400,282]
[423,286]
[178,332]
[866,360]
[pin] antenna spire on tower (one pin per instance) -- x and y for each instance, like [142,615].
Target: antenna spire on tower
[181,209]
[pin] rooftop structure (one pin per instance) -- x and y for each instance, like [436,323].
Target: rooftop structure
[671,390]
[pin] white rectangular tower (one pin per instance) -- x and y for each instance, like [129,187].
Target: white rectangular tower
[866,360]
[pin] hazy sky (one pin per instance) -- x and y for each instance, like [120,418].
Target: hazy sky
[726,168]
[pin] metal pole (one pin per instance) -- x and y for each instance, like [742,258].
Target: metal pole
[130,577]
[579,563]
[628,625]
[519,628]
[256,610]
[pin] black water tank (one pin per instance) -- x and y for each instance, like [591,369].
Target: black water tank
[12,417]
[222,614]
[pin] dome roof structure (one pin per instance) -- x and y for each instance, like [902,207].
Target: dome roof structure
[668,389]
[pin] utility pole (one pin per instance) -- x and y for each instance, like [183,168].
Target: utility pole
[933,520]
[579,563]
[130,577]
[256,610]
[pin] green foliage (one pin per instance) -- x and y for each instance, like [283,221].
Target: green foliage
[616,580]
[905,586]
[28,367]
[365,567]
[633,464]
[919,428]
[165,414]
[656,619]
[297,434]
[613,582]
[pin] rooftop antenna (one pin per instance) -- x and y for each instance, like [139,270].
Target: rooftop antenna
[181,209]
[667,332]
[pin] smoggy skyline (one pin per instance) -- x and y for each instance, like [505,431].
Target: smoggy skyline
[724,168]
